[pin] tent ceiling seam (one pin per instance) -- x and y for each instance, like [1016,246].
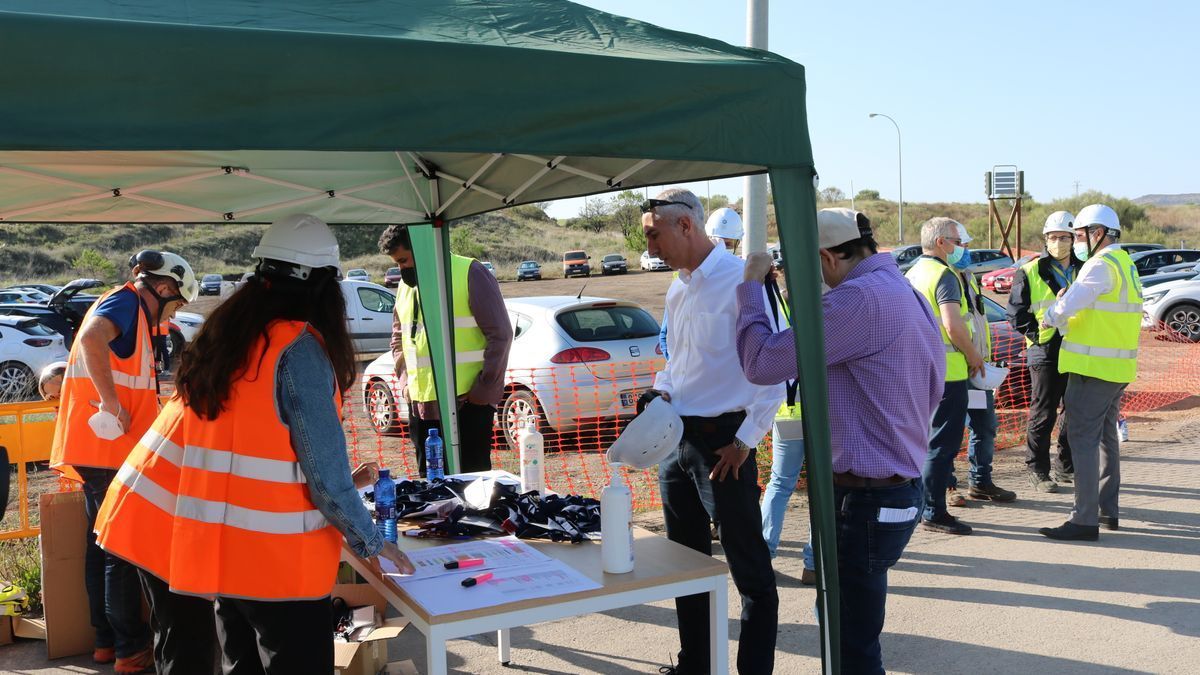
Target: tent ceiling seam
[512,197]
[413,182]
[470,182]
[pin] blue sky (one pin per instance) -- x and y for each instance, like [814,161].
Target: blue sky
[1104,93]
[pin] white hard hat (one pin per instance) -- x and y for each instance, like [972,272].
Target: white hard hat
[991,377]
[724,223]
[1059,221]
[56,369]
[1098,214]
[962,233]
[167,264]
[301,239]
[649,438]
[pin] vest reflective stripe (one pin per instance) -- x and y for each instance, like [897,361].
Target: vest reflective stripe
[1101,341]
[1041,298]
[924,276]
[136,385]
[469,341]
[220,507]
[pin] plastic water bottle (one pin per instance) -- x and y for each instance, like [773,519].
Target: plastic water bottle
[385,505]
[616,525]
[434,456]
[533,456]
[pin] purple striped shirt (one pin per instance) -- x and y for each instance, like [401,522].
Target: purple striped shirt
[885,362]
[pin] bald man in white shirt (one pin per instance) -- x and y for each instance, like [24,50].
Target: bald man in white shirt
[712,475]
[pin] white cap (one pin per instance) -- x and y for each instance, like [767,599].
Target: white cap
[649,438]
[962,233]
[1059,221]
[1098,214]
[300,239]
[724,223]
[991,377]
[56,369]
[838,226]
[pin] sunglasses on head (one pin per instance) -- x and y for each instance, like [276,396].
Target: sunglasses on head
[651,204]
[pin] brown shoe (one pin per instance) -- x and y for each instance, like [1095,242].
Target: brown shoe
[808,577]
[141,662]
[955,498]
[103,655]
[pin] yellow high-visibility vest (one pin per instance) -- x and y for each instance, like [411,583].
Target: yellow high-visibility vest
[1102,340]
[924,276]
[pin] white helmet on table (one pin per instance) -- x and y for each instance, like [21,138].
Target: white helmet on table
[649,438]
[301,239]
[1059,221]
[724,223]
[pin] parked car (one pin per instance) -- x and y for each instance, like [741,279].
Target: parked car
[368,315]
[1001,280]
[1008,348]
[1174,306]
[24,295]
[1164,277]
[47,289]
[906,256]
[650,263]
[1179,267]
[574,362]
[210,284]
[26,346]
[183,329]
[575,263]
[1138,248]
[1149,262]
[64,311]
[391,278]
[984,260]
[529,269]
[358,274]
[613,263]
[488,266]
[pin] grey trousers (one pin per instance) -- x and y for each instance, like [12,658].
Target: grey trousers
[1093,406]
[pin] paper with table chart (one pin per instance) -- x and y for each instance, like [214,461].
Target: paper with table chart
[519,572]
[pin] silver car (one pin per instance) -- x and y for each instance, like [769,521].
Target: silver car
[984,260]
[577,365]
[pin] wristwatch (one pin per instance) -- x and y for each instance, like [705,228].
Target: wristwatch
[737,443]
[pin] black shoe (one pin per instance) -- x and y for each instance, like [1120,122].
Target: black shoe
[991,492]
[946,524]
[1040,480]
[1109,522]
[1064,477]
[1069,531]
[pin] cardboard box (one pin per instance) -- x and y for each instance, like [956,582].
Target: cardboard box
[6,633]
[30,629]
[368,657]
[68,627]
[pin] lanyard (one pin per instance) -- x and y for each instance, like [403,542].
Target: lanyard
[1064,277]
[775,298]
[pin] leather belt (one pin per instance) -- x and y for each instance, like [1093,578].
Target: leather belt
[849,480]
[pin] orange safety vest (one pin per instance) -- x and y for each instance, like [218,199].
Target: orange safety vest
[74,442]
[220,507]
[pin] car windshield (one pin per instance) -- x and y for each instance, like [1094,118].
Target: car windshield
[528,265]
[575,255]
[596,324]
[212,277]
[357,273]
[615,257]
[393,270]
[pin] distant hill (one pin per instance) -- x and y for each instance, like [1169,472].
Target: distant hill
[1169,200]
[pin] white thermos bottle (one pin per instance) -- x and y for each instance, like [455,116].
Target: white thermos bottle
[616,525]
[533,455]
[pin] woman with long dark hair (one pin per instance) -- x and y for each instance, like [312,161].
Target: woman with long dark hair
[241,491]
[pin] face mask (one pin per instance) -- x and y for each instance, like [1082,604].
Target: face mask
[1083,248]
[409,276]
[960,258]
[1058,249]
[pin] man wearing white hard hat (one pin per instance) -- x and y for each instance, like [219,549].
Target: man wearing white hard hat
[981,412]
[1099,317]
[886,370]
[1035,286]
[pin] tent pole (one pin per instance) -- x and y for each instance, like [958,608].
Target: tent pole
[796,213]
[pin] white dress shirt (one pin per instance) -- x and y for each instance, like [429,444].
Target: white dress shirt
[704,376]
[1094,280]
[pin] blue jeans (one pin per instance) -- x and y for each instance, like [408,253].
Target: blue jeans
[787,458]
[944,443]
[981,442]
[113,587]
[867,549]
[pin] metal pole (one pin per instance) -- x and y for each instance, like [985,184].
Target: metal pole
[754,208]
[899,170]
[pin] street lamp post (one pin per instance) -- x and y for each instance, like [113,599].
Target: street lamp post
[899,170]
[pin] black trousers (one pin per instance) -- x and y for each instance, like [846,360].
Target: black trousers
[275,638]
[690,500]
[1047,388]
[475,446]
[185,630]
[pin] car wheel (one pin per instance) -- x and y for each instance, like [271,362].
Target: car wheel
[17,382]
[1184,321]
[381,409]
[518,406]
[175,345]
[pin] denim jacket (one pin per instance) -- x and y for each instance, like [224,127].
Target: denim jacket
[304,395]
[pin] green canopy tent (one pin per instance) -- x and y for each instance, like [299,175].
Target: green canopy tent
[412,111]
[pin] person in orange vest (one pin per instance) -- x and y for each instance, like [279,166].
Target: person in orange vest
[108,399]
[241,491]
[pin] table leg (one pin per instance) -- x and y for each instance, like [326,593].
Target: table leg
[435,647]
[502,639]
[718,628]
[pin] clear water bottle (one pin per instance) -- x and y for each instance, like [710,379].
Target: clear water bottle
[435,468]
[385,505]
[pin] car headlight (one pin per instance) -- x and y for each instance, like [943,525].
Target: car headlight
[1152,298]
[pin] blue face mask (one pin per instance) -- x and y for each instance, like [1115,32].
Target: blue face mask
[960,258]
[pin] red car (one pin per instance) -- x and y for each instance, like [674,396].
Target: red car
[1000,281]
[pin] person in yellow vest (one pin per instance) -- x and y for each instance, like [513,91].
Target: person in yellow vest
[1099,317]
[483,336]
[1035,286]
[240,491]
[108,399]
[933,276]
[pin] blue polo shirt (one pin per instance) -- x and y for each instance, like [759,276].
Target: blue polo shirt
[121,309]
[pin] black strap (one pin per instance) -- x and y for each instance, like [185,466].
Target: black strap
[775,299]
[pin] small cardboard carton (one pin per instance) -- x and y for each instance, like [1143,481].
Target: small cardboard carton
[68,630]
[369,655]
